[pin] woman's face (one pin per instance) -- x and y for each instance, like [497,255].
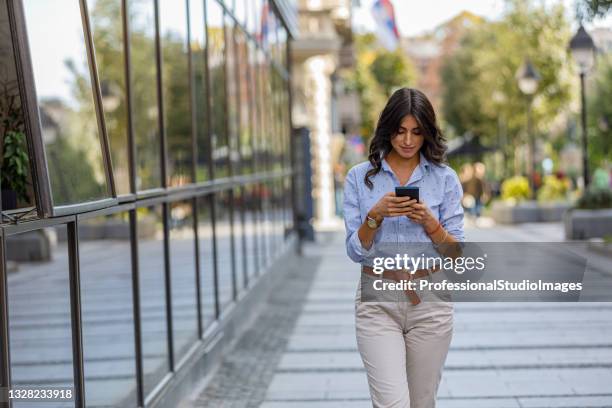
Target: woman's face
[409,138]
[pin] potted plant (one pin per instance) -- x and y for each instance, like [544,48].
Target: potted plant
[14,171]
[592,215]
[13,148]
[514,206]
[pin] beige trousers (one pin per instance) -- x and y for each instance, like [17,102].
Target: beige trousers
[403,348]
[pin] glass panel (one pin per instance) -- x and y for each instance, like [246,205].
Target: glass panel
[263,113]
[288,208]
[200,89]
[144,94]
[153,315]
[275,145]
[107,28]
[107,311]
[253,103]
[182,270]
[265,26]
[207,260]
[232,93]
[66,101]
[239,240]
[244,105]
[257,14]
[15,174]
[282,42]
[216,67]
[268,116]
[240,11]
[176,94]
[250,229]
[266,221]
[223,237]
[39,311]
[264,224]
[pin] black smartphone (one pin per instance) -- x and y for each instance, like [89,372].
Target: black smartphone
[412,192]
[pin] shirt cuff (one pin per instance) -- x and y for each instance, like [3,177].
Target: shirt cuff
[358,249]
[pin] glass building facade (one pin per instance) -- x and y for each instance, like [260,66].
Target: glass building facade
[146,185]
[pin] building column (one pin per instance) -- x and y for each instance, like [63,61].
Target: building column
[318,92]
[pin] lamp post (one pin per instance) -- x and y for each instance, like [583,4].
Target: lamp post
[583,52]
[499,98]
[528,80]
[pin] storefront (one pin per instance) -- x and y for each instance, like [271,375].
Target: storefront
[146,186]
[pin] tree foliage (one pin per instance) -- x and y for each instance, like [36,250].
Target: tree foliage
[377,74]
[479,78]
[599,112]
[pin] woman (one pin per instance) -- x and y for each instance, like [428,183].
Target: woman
[403,343]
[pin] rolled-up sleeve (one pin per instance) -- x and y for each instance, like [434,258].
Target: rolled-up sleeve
[451,210]
[352,220]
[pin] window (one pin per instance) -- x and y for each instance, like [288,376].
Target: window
[143,80]
[70,126]
[175,90]
[200,87]
[107,29]
[15,174]
[217,77]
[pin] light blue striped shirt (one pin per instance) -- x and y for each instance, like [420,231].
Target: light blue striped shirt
[439,188]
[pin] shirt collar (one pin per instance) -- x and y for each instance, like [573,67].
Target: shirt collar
[424,163]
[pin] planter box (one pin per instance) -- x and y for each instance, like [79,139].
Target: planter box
[553,212]
[29,246]
[598,245]
[585,224]
[527,211]
[111,229]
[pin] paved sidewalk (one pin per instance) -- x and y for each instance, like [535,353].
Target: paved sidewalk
[502,355]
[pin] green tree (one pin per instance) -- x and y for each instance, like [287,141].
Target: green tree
[600,113]
[486,63]
[377,72]
[391,70]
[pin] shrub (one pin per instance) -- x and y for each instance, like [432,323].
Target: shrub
[595,198]
[553,189]
[515,189]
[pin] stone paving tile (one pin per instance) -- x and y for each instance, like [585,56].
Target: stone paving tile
[503,355]
[567,402]
[478,403]
[364,403]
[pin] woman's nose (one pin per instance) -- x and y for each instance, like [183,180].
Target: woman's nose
[407,138]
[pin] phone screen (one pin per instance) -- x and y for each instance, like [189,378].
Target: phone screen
[412,192]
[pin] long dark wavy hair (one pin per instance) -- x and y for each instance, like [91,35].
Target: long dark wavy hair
[406,101]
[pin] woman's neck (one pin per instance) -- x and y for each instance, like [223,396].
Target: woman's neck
[397,161]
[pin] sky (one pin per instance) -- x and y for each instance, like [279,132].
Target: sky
[416,17]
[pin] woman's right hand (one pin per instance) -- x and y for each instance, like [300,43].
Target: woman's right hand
[390,205]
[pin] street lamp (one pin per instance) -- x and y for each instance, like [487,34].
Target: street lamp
[528,80]
[499,99]
[583,51]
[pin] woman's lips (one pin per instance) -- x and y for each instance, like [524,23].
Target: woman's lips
[407,149]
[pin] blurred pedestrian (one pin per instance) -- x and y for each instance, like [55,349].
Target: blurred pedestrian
[474,187]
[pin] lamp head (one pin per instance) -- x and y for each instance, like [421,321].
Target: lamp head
[583,50]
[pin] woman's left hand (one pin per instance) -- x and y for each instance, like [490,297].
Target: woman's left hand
[421,214]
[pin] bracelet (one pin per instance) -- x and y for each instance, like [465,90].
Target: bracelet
[443,240]
[435,229]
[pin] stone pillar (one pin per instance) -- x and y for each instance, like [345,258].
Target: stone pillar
[318,94]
